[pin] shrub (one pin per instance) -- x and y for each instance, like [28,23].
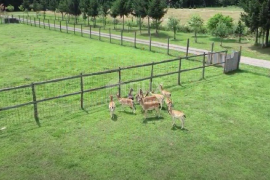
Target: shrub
[10,8]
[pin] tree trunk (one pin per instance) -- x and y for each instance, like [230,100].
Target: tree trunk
[263,34]
[88,20]
[156,27]
[221,41]
[257,35]
[140,25]
[62,13]
[174,32]
[267,37]
[148,19]
[123,22]
[240,35]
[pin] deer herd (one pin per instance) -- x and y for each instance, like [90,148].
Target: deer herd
[148,101]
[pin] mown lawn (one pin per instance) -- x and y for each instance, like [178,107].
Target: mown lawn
[225,137]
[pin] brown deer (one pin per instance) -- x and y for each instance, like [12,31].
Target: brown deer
[111,107]
[176,114]
[126,102]
[154,105]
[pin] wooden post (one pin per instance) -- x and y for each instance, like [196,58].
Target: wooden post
[151,79]
[67,27]
[26,20]
[81,91]
[23,19]
[121,37]
[203,65]
[19,19]
[179,71]
[187,48]
[35,22]
[135,39]
[74,28]
[35,104]
[110,35]
[44,23]
[30,20]
[239,58]
[168,46]
[99,33]
[49,24]
[54,24]
[38,22]
[81,31]
[90,31]
[119,87]
[150,41]
[60,26]
[212,50]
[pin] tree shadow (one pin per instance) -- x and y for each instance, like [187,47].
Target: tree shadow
[259,49]
[247,71]
[159,35]
[224,40]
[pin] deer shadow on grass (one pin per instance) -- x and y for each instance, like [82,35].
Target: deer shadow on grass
[152,119]
[176,127]
[115,117]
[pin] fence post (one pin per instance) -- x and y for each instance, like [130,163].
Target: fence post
[240,52]
[90,31]
[168,46]
[203,65]
[49,24]
[60,26]
[81,31]
[99,33]
[19,19]
[110,35]
[151,79]
[35,22]
[212,50]
[121,37]
[74,28]
[38,22]
[179,71]
[35,104]
[119,86]
[150,41]
[135,39]
[30,21]
[23,19]
[82,91]
[187,48]
[44,23]
[26,20]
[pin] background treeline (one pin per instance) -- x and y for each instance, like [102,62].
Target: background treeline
[170,3]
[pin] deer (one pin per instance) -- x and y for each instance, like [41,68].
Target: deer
[164,92]
[159,97]
[126,102]
[111,107]
[130,96]
[154,105]
[167,100]
[176,115]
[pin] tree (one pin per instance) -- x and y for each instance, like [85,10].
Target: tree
[196,23]
[2,8]
[63,7]
[140,10]
[26,5]
[73,8]
[10,8]
[93,10]
[213,21]
[36,7]
[174,25]
[122,8]
[104,11]
[114,13]
[239,30]
[157,9]
[221,30]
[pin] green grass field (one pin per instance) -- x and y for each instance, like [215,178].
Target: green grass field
[204,40]
[226,133]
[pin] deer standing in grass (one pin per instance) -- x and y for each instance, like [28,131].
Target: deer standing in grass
[164,92]
[126,102]
[130,96]
[154,105]
[159,97]
[112,107]
[176,115]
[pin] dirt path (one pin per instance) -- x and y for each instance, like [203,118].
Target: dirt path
[244,60]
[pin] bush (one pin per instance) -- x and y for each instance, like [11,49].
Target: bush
[10,8]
